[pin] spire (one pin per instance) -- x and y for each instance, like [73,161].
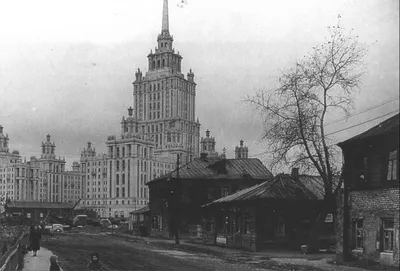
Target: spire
[165,21]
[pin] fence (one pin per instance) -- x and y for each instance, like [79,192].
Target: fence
[11,260]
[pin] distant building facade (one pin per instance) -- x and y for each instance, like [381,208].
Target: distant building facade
[207,146]
[164,101]
[41,179]
[8,163]
[160,126]
[241,152]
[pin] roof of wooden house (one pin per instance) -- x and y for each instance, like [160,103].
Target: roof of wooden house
[386,127]
[142,210]
[282,186]
[217,168]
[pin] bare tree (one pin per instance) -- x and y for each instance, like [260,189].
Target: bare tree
[294,113]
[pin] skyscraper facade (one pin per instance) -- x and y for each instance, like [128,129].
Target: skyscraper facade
[164,100]
[160,126]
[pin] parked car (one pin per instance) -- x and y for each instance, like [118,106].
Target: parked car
[105,222]
[57,228]
[113,226]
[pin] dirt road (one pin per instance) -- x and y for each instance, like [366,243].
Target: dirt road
[116,254]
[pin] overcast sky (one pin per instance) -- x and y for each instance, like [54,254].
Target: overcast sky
[66,67]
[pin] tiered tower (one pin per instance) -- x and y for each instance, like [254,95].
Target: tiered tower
[207,145]
[53,169]
[164,101]
[241,152]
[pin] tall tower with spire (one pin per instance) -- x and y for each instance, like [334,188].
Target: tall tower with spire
[164,101]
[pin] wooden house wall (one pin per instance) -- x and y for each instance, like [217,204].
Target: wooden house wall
[194,194]
[377,153]
[373,200]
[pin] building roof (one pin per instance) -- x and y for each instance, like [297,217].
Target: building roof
[282,186]
[217,168]
[143,210]
[316,185]
[38,205]
[388,126]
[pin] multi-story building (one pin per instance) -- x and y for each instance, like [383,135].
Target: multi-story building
[8,161]
[160,126]
[39,179]
[94,180]
[52,173]
[164,101]
[72,187]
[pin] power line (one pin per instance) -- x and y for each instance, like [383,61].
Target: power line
[341,130]
[358,124]
[363,111]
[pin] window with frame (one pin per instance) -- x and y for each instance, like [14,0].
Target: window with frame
[225,191]
[359,233]
[392,166]
[388,235]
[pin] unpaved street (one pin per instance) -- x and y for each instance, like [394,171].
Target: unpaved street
[116,254]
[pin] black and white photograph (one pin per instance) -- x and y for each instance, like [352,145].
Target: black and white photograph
[190,135]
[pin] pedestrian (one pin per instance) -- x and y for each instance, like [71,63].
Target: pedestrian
[54,264]
[35,234]
[94,263]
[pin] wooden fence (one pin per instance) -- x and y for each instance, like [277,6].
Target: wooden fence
[12,258]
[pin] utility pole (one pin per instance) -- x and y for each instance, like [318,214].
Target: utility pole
[177,202]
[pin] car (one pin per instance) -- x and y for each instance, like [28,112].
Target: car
[57,228]
[113,226]
[105,222]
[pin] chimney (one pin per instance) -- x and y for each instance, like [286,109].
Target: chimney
[203,156]
[1,129]
[295,173]
[130,110]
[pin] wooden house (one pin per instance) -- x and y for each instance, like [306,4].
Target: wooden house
[369,205]
[275,213]
[139,221]
[195,184]
[37,210]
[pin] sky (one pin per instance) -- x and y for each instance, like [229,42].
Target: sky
[66,67]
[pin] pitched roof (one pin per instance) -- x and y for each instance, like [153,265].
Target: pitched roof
[388,126]
[38,204]
[145,209]
[217,168]
[282,186]
[316,185]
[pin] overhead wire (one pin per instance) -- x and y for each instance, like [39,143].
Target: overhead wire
[341,130]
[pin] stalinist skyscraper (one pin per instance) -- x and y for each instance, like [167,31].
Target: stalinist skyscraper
[164,100]
[160,126]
